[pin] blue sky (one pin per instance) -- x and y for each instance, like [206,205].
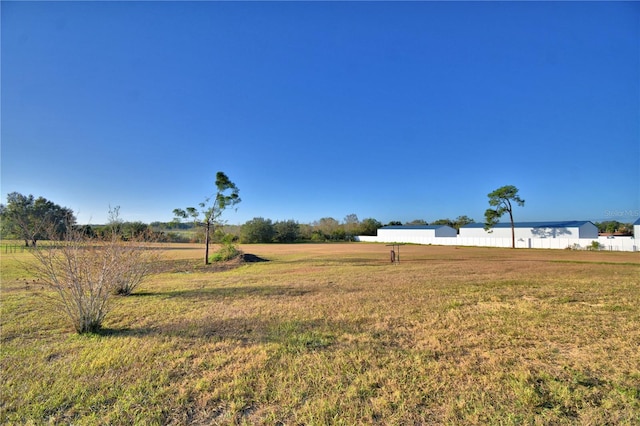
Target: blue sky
[396,111]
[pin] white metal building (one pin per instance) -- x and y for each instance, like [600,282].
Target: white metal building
[526,230]
[540,235]
[418,234]
[636,231]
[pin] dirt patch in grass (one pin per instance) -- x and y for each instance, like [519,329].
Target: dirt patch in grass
[197,265]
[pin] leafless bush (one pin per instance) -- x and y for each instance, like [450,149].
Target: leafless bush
[135,261]
[84,274]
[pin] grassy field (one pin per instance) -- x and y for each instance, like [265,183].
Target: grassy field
[335,334]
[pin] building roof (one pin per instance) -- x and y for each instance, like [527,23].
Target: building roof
[562,224]
[637,222]
[415,227]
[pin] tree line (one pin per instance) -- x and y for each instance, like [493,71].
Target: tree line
[264,230]
[31,219]
[614,227]
[261,230]
[24,217]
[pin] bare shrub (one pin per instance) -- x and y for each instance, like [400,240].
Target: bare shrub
[135,260]
[84,273]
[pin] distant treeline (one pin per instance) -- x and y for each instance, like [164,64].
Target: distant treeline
[30,219]
[615,227]
[261,230]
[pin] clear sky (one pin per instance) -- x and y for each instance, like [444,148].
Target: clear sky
[395,111]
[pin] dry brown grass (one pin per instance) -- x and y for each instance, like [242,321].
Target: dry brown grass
[335,334]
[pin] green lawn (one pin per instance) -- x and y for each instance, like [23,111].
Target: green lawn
[335,334]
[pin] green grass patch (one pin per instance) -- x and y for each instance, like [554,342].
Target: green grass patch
[225,253]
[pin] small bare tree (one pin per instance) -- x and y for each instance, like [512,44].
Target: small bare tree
[134,256]
[85,273]
[136,261]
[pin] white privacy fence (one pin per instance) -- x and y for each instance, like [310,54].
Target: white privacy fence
[605,243]
[619,243]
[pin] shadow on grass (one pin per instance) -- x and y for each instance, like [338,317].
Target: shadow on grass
[252,258]
[126,331]
[205,293]
[142,294]
[289,336]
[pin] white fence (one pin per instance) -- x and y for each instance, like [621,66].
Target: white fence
[619,243]
[612,244]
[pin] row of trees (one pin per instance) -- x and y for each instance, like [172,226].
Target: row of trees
[31,219]
[24,218]
[613,226]
[264,230]
[260,230]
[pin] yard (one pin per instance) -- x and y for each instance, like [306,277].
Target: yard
[335,334]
